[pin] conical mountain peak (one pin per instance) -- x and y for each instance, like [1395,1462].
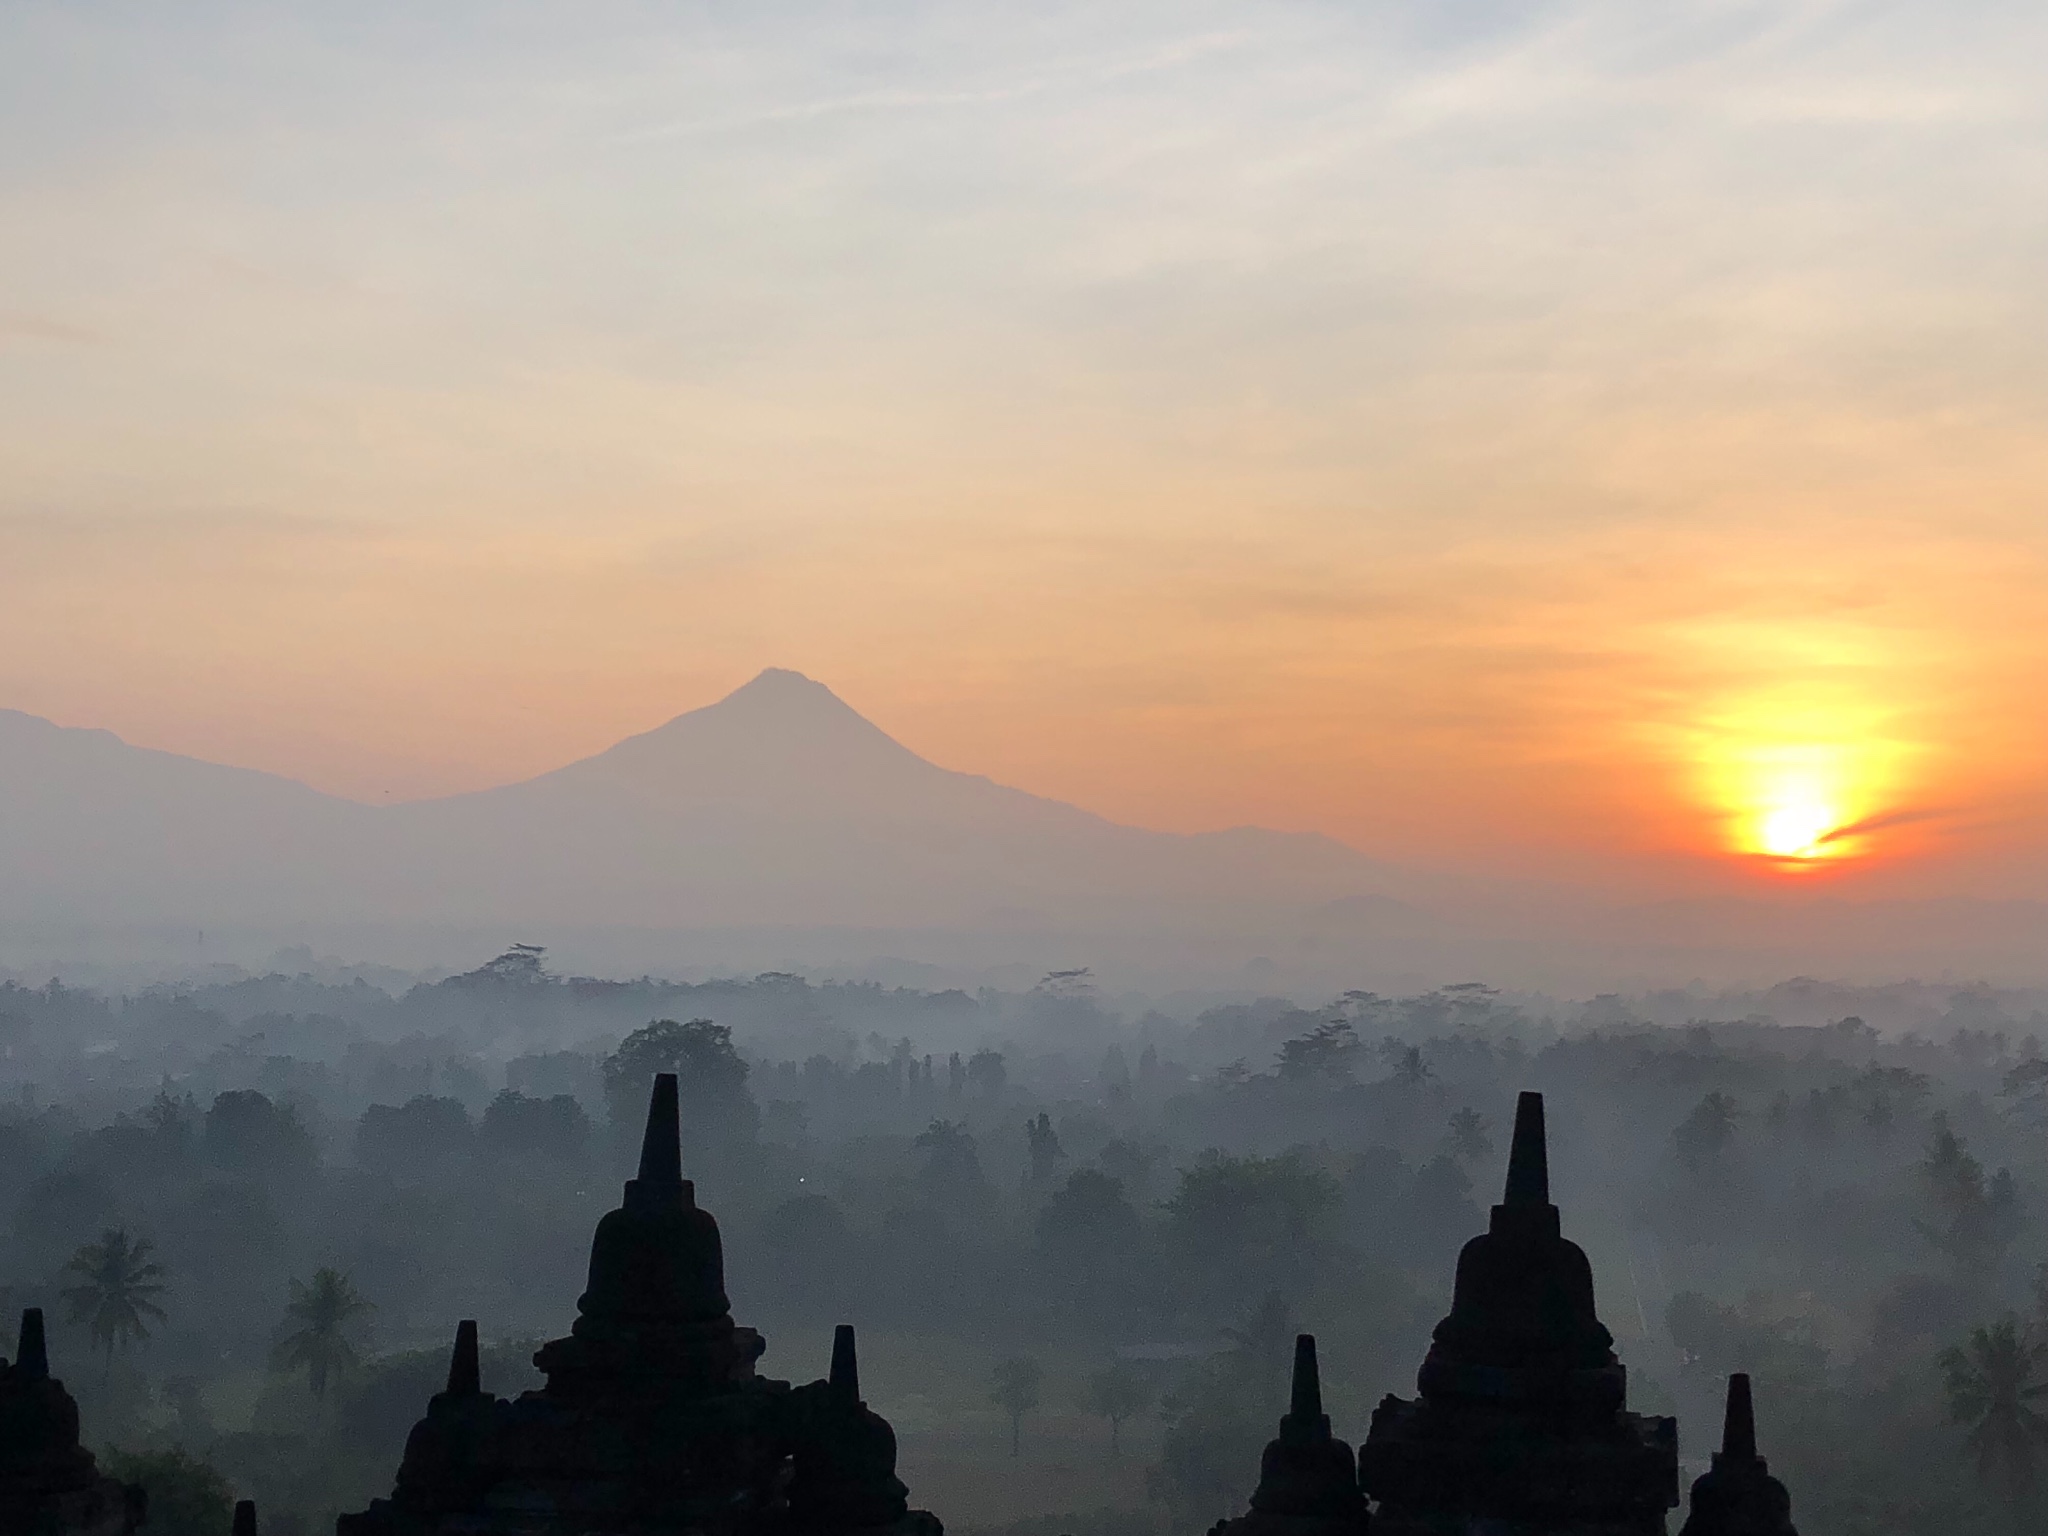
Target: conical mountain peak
[781,736]
[776,696]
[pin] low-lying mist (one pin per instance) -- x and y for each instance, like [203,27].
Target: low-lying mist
[1143,1196]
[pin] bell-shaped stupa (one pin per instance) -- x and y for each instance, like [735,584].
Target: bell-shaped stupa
[1521,1425]
[844,1457]
[653,1420]
[1308,1480]
[1737,1496]
[50,1485]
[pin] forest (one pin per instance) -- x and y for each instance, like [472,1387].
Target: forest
[1078,1231]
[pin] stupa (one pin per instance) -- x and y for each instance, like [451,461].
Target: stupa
[50,1485]
[653,1419]
[1308,1481]
[1521,1427]
[1737,1496]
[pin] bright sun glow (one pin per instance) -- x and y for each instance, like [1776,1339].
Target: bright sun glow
[1792,802]
[1797,831]
[1794,779]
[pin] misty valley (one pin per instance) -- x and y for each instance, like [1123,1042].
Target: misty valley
[1076,1233]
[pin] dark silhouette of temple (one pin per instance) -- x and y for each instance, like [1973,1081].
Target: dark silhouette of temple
[1738,1496]
[1521,1427]
[1522,1421]
[49,1483]
[653,1419]
[1308,1480]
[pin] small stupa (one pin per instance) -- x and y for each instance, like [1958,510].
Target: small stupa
[1521,1427]
[653,1419]
[843,1472]
[50,1485]
[1308,1480]
[1737,1496]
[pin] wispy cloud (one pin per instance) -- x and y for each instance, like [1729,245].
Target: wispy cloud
[1079,75]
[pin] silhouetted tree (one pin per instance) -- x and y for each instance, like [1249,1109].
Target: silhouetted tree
[324,1310]
[1326,1053]
[555,1126]
[718,1111]
[1116,1393]
[115,1297]
[987,1072]
[1410,1069]
[1043,1144]
[1704,1135]
[248,1132]
[1241,1223]
[1468,1139]
[1017,1381]
[1993,1381]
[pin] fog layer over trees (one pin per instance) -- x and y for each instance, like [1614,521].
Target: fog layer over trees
[1078,1232]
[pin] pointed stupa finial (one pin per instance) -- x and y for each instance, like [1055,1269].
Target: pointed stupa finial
[1529,1156]
[1738,1433]
[661,1149]
[465,1372]
[845,1377]
[1737,1496]
[32,1355]
[1306,1401]
[245,1518]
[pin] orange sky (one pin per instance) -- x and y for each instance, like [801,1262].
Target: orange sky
[1562,446]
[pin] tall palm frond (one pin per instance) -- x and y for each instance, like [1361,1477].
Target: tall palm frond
[325,1308]
[116,1295]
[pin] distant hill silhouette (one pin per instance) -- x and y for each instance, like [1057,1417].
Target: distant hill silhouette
[778,826]
[777,806]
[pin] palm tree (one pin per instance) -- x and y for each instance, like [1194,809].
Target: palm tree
[117,1290]
[1469,1141]
[1992,1382]
[324,1309]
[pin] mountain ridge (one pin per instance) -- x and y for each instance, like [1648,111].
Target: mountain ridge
[777,803]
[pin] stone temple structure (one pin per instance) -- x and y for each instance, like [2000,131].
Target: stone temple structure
[49,1483]
[653,1419]
[1522,1424]
[1738,1496]
[1308,1480]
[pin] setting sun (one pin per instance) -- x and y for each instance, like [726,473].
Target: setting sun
[1795,778]
[1797,831]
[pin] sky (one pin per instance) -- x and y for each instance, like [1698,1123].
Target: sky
[1582,440]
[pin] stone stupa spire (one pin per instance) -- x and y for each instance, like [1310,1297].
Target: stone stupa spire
[1308,1479]
[1737,1496]
[661,1146]
[844,1459]
[844,1378]
[1522,1418]
[48,1480]
[32,1351]
[1528,1157]
[655,1303]
[465,1370]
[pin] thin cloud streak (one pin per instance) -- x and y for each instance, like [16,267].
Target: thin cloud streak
[1077,77]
